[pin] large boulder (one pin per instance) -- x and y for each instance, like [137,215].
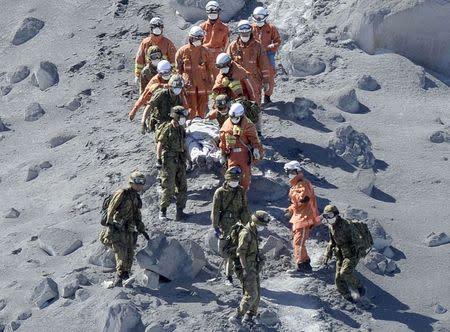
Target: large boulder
[346,100]
[352,146]
[380,239]
[34,112]
[44,293]
[275,247]
[211,241]
[19,74]
[122,316]
[193,11]
[368,83]
[197,257]
[266,189]
[29,28]
[299,109]
[45,76]
[301,65]
[365,179]
[58,241]
[102,256]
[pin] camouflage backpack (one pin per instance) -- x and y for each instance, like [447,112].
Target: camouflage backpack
[232,240]
[361,237]
[105,205]
[251,109]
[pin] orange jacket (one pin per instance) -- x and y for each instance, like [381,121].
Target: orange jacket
[168,50]
[241,83]
[266,35]
[252,57]
[196,66]
[216,35]
[236,138]
[156,82]
[304,211]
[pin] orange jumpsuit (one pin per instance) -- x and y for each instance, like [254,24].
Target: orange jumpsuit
[168,50]
[196,66]
[235,141]
[240,83]
[254,59]
[268,35]
[305,215]
[216,38]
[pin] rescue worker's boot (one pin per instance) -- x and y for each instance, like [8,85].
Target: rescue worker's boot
[349,298]
[267,99]
[248,319]
[180,215]
[235,318]
[305,267]
[117,280]
[229,281]
[163,214]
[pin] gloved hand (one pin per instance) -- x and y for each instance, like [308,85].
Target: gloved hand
[132,114]
[143,128]
[222,160]
[145,234]
[217,232]
[136,80]
[256,154]
[266,86]
[158,164]
[225,82]
[271,46]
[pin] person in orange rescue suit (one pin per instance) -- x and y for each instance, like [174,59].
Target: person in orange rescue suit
[249,53]
[267,34]
[233,80]
[156,37]
[160,80]
[239,143]
[195,64]
[153,57]
[216,32]
[303,213]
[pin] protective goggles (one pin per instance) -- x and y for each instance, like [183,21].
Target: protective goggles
[259,18]
[235,118]
[138,180]
[328,215]
[155,56]
[244,29]
[157,25]
[166,72]
[213,11]
[234,170]
[184,113]
[222,65]
[291,171]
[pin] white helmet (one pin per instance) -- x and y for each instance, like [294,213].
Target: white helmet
[196,32]
[156,22]
[223,60]
[164,67]
[212,7]
[236,110]
[260,14]
[244,26]
[293,165]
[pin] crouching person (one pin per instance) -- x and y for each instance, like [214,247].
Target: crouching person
[124,222]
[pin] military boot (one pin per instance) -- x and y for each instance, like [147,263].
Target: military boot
[180,215]
[117,281]
[163,214]
[235,318]
[267,99]
[248,319]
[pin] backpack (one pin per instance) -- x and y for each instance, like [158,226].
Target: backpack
[361,237]
[105,205]
[232,240]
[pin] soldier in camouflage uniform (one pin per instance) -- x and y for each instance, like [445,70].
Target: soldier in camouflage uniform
[153,57]
[171,161]
[220,109]
[341,244]
[250,267]
[229,207]
[161,104]
[123,225]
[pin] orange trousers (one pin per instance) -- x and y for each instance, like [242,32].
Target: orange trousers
[272,75]
[299,244]
[197,102]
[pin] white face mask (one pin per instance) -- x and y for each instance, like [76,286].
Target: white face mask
[182,121]
[235,120]
[260,24]
[245,39]
[166,77]
[197,43]
[225,70]
[291,176]
[156,31]
[233,184]
[176,91]
[213,16]
[155,62]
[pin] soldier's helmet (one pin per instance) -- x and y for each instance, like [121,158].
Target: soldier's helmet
[330,209]
[222,103]
[178,111]
[261,218]
[176,81]
[137,178]
[154,53]
[233,174]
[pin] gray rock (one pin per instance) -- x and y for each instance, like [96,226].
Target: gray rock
[61,139]
[149,279]
[160,327]
[58,241]
[46,75]
[440,137]
[33,112]
[193,11]
[29,28]
[82,294]
[68,288]
[3,126]
[122,316]
[352,146]
[14,325]
[380,239]
[346,100]
[388,252]
[74,104]
[336,116]
[44,293]
[2,304]
[439,309]
[353,213]
[302,65]
[197,257]
[391,266]
[365,179]
[102,256]
[372,260]
[434,240]
[276,246]
[19,74]
[266,189]
[5,90]
[211,242]
[33,173]
[12,213]
[45,165]
[269,317]
[24,315]
[299,109]
[368,83]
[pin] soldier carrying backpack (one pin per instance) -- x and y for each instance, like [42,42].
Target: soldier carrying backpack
[349,242]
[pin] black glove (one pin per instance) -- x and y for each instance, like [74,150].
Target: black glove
[145,234]
[143,128]
[158,164]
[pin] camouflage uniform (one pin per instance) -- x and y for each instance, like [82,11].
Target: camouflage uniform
[252,110]
[146,75]
[173,172]
[248,247]
[124,224]
[346,255]
[161,104]
[229,207]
